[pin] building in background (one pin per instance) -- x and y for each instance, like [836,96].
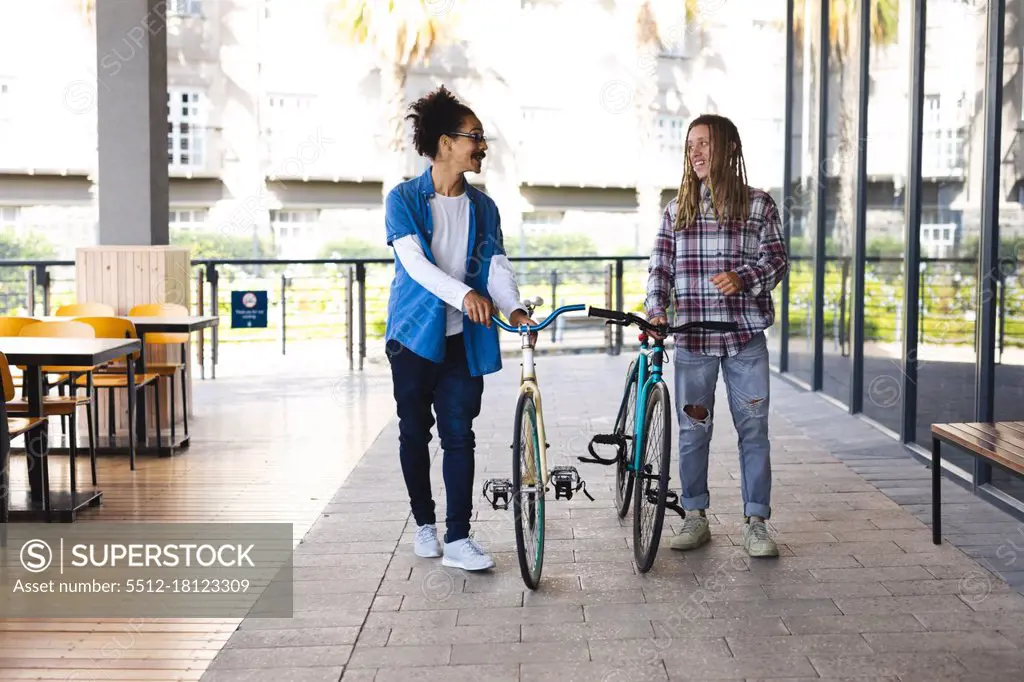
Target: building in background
[277,137]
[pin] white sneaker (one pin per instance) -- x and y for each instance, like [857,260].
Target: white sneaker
[466,554]
[426,543]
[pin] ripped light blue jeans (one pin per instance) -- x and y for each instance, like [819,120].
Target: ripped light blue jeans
[747,385]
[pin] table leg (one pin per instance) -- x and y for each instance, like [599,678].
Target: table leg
[140,397]
[936,493]
[37,440]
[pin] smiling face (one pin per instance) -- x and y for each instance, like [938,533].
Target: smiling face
[698,150]
[467,147]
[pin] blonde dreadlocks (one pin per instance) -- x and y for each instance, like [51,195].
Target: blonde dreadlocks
[727,177]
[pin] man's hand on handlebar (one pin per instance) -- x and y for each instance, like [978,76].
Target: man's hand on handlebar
[479,308]
[658,321]
[518,318]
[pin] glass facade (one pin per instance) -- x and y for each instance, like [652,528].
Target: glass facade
[953,350]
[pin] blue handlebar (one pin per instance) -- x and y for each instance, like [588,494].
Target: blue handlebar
[539,327]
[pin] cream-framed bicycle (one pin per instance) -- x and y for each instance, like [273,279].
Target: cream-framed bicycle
[530,474]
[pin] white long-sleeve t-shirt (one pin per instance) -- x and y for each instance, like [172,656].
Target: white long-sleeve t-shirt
[449,245]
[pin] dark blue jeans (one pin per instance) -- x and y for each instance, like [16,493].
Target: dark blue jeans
[454,395]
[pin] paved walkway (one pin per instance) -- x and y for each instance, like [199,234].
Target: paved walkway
[859,592]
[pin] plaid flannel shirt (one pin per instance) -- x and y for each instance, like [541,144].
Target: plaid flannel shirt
[685,261]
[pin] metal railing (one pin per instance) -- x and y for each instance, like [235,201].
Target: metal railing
[345,300]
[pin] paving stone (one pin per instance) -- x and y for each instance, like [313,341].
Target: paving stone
[592,672]
[652,650]
[933,664]
[521,616]
[915,605]
[399,656]
[974,640]
[282,657]
[774,607]
[476,634]
[870,575]
[525,652]
[572,632]
[449,673]
[897,622]
[754,645]
[826,590]
[740,668]
[257,639]
[319,674]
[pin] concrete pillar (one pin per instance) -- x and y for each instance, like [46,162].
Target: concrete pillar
[131,56]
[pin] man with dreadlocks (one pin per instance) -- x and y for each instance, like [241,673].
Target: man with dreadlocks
[720,248]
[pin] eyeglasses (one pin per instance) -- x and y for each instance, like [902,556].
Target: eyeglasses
[476,137]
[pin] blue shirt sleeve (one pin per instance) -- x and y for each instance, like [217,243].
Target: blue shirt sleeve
[398,218]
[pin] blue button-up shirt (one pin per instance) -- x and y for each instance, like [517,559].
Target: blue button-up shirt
[416,317]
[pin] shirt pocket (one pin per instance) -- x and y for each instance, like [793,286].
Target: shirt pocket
[748,242]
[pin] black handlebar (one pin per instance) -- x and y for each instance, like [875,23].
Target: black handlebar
[625,319]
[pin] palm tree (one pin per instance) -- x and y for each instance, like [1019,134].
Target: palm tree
[844,36]
[402,33]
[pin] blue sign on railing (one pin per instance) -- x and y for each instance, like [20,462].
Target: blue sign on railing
[248,309]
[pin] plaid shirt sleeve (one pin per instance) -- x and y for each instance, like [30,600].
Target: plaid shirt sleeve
[662,268]
[772,260]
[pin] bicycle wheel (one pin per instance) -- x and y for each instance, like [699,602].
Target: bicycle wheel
[527,492]
[624,426]
[651,486]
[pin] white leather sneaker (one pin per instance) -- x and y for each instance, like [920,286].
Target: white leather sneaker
[426,543]
[466,554]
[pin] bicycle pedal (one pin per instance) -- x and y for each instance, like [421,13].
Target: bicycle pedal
[672,502]
[501,489]
[568,482]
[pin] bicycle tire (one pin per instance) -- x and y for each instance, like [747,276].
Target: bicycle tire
[623,476]
[645,551]
[525,434]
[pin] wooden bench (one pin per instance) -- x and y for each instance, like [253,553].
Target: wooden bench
[1001,443]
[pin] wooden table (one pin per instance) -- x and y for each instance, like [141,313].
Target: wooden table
[40,503]
[150,325]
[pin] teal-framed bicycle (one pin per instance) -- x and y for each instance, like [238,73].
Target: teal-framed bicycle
[528,486]
[644,447]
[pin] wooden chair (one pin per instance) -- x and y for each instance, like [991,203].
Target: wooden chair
[12,326]
[59,406]
[168,369]
[120,328]
[9,429]
[83,309]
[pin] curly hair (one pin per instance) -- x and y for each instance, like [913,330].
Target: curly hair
[434,115]
[727,177]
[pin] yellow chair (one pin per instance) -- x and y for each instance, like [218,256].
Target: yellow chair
[120,328]
[12,326]
[59,406]
[168,369]
[10,428]
[90,309]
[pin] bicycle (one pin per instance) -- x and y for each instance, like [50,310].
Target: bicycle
[530,475]
[647,394]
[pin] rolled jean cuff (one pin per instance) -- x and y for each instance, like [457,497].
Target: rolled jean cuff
[762,510]
[697,503]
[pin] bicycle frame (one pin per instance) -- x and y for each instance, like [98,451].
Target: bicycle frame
[528,380]
[645,382]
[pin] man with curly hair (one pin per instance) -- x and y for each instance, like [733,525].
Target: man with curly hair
[451,275]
